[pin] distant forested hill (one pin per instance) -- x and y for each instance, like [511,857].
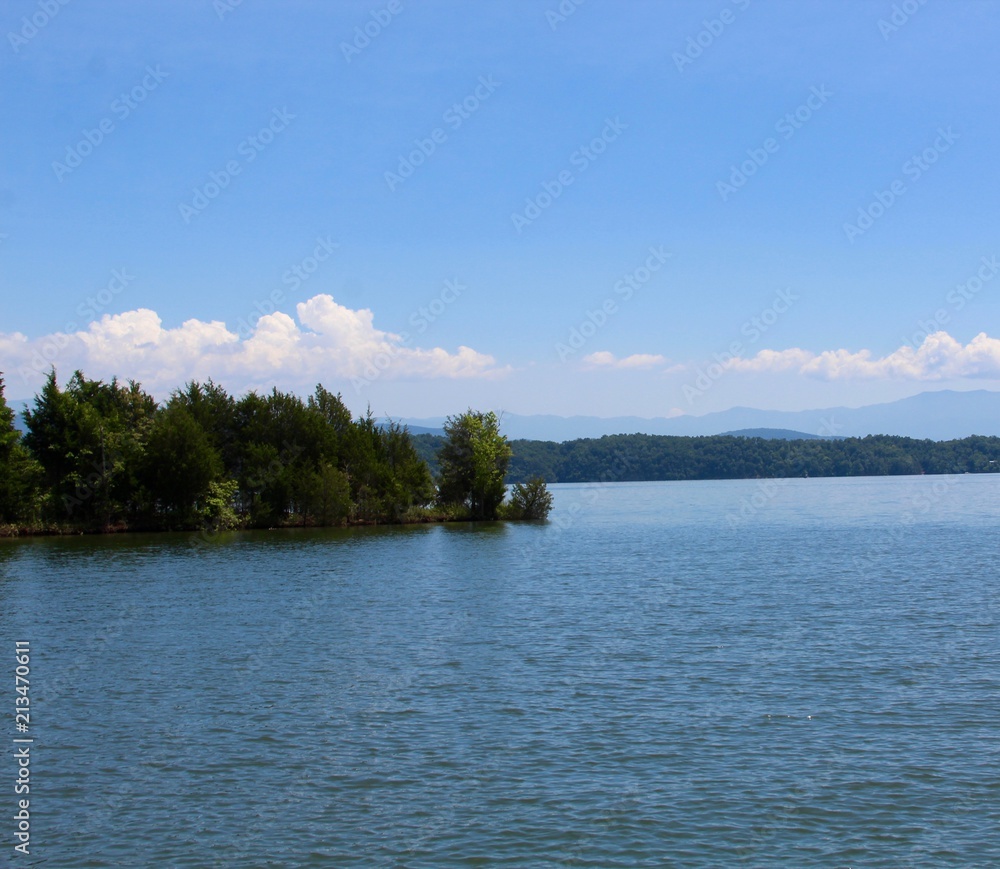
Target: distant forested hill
[725,457]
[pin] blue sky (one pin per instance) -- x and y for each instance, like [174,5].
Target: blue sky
[796,191]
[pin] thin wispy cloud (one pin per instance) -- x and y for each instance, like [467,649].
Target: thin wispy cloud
[606,359]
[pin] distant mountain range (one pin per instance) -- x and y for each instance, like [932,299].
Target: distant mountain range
[419,429]
[779,434]
[17,407]
[941,415]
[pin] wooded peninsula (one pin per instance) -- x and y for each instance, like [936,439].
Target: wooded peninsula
[105,457]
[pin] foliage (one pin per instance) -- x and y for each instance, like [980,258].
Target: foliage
[726,457]
[179,463]
[328,498]
[100,456]
[20,474]
[216,511]
[8,433]
[473,462]
[529,500]
[88,440]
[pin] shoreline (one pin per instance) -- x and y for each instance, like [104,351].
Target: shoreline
[20,532]
[13,532]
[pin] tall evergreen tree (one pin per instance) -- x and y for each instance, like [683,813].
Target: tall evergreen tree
[179,464]
[88,439]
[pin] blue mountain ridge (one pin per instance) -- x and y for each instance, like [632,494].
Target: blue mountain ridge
[939,415]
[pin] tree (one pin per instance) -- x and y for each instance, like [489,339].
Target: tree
[8,434]
[215,509]
[9,485]
[474,463]
[530,500]
[410,482]
[47,438]
[88,439]
[332,420]
[215,411]
[20,474]
[326,495]
[180,464]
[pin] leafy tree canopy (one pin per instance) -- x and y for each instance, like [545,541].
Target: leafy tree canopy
[474,461]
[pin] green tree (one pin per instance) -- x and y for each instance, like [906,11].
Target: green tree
[8,433]
[180,465]
[215,411]
[530,500]
[332,423]
[9,439]
[326,497]
[215,507]
[20,474]
[410,482]
[88,439]
[473,463]
[279,448]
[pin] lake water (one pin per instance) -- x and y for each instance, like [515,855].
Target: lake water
[801,672]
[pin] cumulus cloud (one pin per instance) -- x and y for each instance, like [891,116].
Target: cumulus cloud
[606,359]
[329,342]
[939,357]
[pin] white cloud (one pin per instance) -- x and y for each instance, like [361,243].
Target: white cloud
[12,344]
[939,357]
[771,360]
[329,342]
[606,359]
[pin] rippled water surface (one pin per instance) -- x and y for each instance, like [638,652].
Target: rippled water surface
[796,673]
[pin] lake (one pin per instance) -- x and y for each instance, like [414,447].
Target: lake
[791,672]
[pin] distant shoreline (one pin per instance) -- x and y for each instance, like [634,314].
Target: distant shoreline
[635,457]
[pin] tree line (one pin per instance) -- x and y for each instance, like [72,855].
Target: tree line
[725,457]
[102,456]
